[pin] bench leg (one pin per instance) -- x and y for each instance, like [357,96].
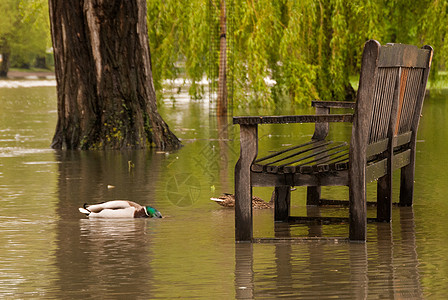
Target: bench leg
[282,202]
[407,185]
[358,213]
[243,210]
[357,201]
[313,195]
[243,188]
[384,198]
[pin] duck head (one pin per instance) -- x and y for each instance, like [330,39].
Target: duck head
[152,212]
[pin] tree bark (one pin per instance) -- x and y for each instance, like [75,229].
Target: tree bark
[106,96]
[6,53]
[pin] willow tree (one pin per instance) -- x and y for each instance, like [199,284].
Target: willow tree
[178,37]
[106,96]
[301,50]
[435,33]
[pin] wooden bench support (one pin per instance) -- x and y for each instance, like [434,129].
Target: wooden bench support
[313,194]
[243,188]
[384,198]
[407,185]
[282,203]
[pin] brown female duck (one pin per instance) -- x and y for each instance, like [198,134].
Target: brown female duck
[228,200]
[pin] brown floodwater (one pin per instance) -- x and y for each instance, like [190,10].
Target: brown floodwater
[48,250]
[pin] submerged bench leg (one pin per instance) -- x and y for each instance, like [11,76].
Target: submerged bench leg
[243,188]
[384,198]
[407,185]
[313,195]
[357,196]
[282,202]
[358,214]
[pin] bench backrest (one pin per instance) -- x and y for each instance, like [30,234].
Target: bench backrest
[391,91]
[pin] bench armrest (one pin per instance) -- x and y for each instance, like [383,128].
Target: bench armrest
[253,120]
[333,104]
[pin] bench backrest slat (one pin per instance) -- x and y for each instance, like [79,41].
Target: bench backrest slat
[396,90]
[408,100]
[382,103]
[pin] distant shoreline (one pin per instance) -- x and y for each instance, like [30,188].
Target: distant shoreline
[13,74]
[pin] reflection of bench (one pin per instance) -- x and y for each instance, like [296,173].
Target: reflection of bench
[384,132]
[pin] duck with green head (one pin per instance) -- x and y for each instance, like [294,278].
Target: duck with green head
[119,209]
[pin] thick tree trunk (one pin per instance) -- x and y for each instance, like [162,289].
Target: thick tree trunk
[221,105]
[106,96]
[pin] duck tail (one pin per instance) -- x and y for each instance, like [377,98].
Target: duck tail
[217,199]
[84,211]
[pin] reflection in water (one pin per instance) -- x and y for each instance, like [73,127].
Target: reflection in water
[104,257]
[117,254]
[385,269]
[359,279]
[107,257]
[244,273]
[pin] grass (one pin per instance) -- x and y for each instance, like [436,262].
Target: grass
[32,70]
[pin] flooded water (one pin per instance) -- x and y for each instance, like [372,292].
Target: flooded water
[48,250]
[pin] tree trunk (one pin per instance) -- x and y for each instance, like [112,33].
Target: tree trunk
[106,96]
[6,54]
[221,108]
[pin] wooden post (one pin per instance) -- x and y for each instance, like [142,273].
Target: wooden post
[243,188]
[408,172]
[221,108]
[282,203]
[384,197]
[313,195]
[321,129]
[320,133]
[360,132]
[407,183]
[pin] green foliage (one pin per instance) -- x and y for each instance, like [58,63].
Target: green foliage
[303,50]
[178,41]
[434,27]
[24,30]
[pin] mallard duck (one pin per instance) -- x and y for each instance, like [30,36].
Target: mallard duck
[228,200]
[119,209]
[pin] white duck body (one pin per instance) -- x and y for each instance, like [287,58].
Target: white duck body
[115,209]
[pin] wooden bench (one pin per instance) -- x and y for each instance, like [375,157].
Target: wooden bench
[384,131]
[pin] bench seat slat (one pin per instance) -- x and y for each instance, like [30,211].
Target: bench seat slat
[317,157]
[285,156]
[326,156]
[313,144]
[323,152]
